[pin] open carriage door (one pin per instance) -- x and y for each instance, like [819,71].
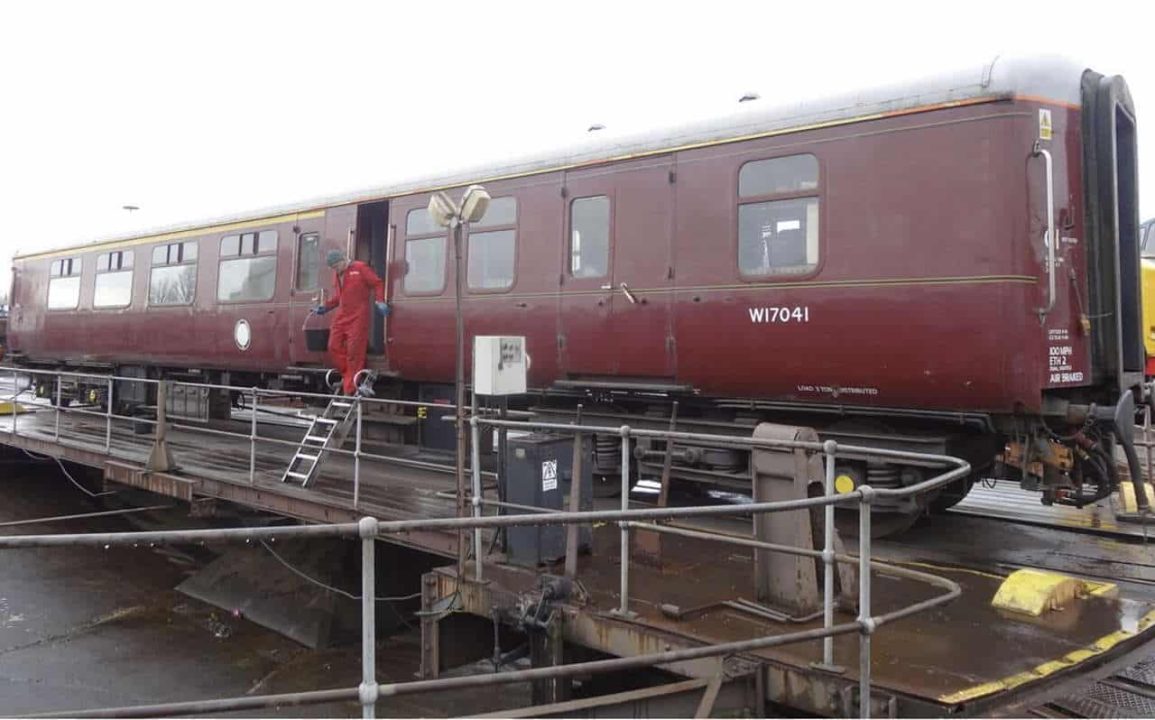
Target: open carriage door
[1112,229]
[371,247]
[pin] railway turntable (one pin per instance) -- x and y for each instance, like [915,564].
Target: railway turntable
[965,657]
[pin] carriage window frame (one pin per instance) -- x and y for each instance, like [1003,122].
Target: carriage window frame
[803,189]
[574,234]
[315,262]
[185,253]
[419,221]
[246,247]
[118,263]
[498,220]
[65,273]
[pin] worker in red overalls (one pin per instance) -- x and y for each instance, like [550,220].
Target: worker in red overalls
[354,285]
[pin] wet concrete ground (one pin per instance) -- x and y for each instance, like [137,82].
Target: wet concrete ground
[88,628]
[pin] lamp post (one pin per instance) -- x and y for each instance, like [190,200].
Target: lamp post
[448,214]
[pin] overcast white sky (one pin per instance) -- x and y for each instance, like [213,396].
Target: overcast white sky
[193,109]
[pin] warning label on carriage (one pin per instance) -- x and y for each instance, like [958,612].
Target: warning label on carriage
[549,475]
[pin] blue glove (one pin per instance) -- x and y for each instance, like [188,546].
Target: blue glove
[383,308]
[321,310]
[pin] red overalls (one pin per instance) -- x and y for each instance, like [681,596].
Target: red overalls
[349,332]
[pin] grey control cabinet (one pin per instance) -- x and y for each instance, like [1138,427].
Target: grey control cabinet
[538,473]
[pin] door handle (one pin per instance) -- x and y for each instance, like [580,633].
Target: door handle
[629,295]
[1050,234]
[607,287]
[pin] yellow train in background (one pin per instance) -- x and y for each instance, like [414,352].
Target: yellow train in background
[1147,248]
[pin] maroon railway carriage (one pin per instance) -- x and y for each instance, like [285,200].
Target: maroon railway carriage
[945,266]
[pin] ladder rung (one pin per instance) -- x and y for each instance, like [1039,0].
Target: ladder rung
[306,456]
[338,403]
[316,438]
[302,476]
[329,421]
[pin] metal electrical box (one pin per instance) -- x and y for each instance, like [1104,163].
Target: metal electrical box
[538,473]
[499,365]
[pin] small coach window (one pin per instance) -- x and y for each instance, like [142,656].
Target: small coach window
[173,279]
[797,173]
[248,270]
[424,256]
[778,216]
[425,263]
[113,280]
[64,285]
[492,253]
[308,261]
[590,237]
[418,222]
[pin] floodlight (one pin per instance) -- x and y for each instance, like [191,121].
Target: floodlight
[474,203]
[442,209]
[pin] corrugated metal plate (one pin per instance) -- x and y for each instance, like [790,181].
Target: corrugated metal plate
[1007,501]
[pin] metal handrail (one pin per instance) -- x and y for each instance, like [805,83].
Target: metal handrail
[369,529]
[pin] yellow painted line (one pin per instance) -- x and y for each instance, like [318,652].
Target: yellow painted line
[1051,667]
[744,287]
[194,232]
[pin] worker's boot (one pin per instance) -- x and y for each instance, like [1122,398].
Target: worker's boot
[365,389]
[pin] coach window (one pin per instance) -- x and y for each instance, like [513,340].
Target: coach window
[589,248]
[778,216]
[492,246]
[308,261]
[248,270]
[113,280]
[173,279]
[64,284]
[424,256]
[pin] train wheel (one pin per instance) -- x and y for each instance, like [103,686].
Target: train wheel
[607,486]
[954,493]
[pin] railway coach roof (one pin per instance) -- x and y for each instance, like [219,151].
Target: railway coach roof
[1050,79]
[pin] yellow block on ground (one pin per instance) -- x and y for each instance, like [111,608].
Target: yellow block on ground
[1127,496]
[1034,592]
[6,408]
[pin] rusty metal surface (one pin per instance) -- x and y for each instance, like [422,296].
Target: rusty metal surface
[924,658]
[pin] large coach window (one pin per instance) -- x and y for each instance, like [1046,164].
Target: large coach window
[589,245]
[173,280]
[308,261]
[113,280]
[424,256]
[248,269]
[64,284]
[778,216]
[492,243]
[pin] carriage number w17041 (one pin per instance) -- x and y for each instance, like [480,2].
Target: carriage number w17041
[797,314]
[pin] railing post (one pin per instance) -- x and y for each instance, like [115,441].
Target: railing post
[108,419]
[357,460]
[830,447]
[625,539]
[15,392]
[475,471]
[56,419]
[253,438]
[367,692]
[865,622]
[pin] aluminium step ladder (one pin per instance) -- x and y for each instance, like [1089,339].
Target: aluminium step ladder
[327,431]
